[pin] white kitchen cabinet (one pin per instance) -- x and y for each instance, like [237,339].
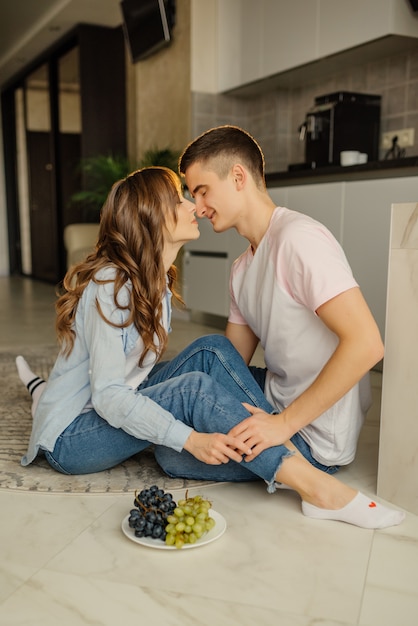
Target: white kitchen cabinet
[358,215]
[263,35]
[229,242]
[279,195]
[366,234]
[246,64]
[267,36]
[259,40]
[322,202]
[289,34]
[208,240]
[344,25]
[207,265]
[206,283]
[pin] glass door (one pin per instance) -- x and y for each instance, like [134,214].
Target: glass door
[54,115]
[48,149]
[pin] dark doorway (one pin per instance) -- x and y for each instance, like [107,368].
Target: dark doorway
[43,215]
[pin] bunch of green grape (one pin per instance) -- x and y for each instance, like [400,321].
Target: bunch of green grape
[189,521]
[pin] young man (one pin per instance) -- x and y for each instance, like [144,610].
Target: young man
[294,292]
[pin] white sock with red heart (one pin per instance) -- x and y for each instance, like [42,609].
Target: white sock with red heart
[34,383]
[361,511]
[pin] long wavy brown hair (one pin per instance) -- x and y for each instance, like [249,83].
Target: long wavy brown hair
[131,240]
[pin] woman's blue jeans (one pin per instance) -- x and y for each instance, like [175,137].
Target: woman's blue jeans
[204,387]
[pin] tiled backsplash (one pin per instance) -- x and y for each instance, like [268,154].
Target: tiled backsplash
[274,118]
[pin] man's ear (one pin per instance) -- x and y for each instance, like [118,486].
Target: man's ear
[239,175]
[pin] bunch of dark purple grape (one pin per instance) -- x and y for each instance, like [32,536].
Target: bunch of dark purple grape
[149,518]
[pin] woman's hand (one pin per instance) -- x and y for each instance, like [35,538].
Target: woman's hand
[215,448]
[260,431]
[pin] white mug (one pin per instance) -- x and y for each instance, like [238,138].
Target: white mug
[349,157]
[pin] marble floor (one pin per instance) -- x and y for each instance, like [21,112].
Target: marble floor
[64,559]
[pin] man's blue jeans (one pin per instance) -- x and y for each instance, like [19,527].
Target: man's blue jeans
[204,386]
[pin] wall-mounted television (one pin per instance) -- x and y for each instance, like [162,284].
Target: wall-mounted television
[147,25]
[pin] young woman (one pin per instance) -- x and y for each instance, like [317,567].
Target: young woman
[107,398]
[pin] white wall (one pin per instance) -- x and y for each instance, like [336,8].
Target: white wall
[4,247]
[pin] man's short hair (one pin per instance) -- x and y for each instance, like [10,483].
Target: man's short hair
[220,148]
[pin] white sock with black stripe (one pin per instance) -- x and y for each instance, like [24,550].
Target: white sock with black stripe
[34,384]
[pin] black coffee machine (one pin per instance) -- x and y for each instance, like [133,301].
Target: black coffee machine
[341,121]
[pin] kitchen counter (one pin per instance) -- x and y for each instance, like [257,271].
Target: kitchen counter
[391,168]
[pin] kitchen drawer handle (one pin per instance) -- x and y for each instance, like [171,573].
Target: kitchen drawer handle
[218,255]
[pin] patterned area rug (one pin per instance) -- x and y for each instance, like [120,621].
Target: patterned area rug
[15,427]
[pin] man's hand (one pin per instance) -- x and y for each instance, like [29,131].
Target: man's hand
[216,448]
[260,431]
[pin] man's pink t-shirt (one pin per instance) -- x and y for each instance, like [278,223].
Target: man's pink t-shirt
[297,267]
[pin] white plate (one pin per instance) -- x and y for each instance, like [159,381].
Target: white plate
[216,532]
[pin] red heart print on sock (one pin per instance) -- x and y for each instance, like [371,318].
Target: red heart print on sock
[372,505]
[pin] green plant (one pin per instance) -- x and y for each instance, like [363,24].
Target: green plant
[165,157]
[101,172]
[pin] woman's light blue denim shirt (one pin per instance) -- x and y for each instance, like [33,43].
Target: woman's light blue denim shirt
[94,373]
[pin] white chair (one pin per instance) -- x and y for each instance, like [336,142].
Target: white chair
[79,241]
